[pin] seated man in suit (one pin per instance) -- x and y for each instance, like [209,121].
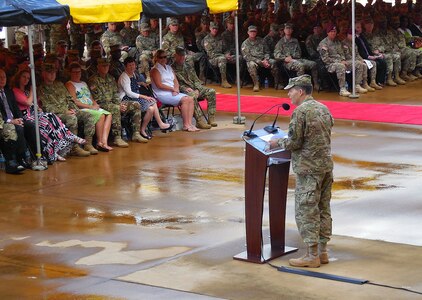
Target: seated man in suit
[13,130]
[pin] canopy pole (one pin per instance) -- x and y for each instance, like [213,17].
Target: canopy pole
[353,95]
[38,155]
[237,119]
[160,30]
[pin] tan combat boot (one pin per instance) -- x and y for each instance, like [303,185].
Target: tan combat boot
[211,120]
[360,89]
[344,92]
[310,259]
[397,79]
[374,85]
[404,76]
[323,253]
[417,73]
[412,77]
[255,83]
[224,82]
[390,81]
[119,142]
[367,87]
[78,151]
[202,125]
[136,137]
[88,147]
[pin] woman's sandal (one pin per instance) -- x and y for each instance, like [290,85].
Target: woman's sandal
[60,158]
[165,130]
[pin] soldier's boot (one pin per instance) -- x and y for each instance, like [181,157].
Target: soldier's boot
[360,89]
[316,80]
[148,76]
[119,142]
[211,120]
[78,151]
[224,82]
[367,87]
[374,85]
[136,137]
[310,259]
[397,79]
[412,77]
[88,147]
[390,81]
[404,76]
[201,124]
[323,253]
[417,73]
[202,78]
[344,92]
[255,83]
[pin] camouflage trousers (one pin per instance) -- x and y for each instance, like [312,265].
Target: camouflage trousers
[393,62]
[301,65]
[408,60]
[418,53]
[312,207]
[116,121]
[372,71]
[133,110]
[340,70]
[253,69]
[144,60]
[221,63]
[199,57]
[8,133]
[84,117]
[204,93]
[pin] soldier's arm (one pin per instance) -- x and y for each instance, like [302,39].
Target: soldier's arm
[278,52]
[298,51]
[295,137]
[266,50]
[323,53]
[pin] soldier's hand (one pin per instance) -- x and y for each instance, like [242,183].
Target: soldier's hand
[273,144]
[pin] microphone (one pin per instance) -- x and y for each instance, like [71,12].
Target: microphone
[272,128]
[249,132]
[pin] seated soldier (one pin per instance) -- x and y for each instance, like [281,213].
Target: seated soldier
[116,66]
[288,51]
[257,55]
[56,99]
[213,45]
[192,86]
[146,45]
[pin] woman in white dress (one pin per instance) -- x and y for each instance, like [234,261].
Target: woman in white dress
[166,88]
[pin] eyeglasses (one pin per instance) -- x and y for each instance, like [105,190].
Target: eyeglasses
[161,57]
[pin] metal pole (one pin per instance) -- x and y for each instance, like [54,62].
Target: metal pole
[160,31]
[353,95]
[237,119]
[34,94]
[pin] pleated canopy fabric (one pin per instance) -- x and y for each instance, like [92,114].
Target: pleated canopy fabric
[27,12]
[102,11]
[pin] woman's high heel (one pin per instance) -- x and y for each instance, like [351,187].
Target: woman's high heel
[168,129]
[148,137]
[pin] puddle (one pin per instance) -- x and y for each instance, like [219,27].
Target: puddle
[374,166]
[364,184]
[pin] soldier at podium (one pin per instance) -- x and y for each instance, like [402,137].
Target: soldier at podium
[309,140]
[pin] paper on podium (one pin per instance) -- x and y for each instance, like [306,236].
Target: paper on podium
[260,142]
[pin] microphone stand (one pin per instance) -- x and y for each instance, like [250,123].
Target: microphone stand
[249,132]
[272,128]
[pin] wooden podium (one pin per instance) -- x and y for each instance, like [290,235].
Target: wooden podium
[257,161]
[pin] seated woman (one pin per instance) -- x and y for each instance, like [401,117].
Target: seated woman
[82,96]
[166,88]
[56,139]
[129,84]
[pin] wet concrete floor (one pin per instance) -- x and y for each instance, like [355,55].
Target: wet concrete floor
[162,221]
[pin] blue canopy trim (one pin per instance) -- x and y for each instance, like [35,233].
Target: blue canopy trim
[168,8]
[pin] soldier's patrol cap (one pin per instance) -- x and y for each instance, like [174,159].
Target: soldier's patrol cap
[252,28]
[303,80]
[180,51]
[48,67]
[102,61]
[230,20]
[145,27]
[174,21]
[214,25]
[331,27]
[73,53]
[274,27]
[61,43]
[288,25]
[37,47]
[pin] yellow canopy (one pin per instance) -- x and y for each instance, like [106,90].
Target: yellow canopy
[102,11]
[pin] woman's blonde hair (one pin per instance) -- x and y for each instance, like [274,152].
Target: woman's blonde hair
[157,54]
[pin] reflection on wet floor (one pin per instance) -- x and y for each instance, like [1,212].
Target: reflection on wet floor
[371,165]
[364,184]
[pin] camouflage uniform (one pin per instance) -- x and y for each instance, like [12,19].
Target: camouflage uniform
[332,55]
[408,56]
[77,38]
[347,49]
[285,48]
[312,43]
[110,38]
[93,33]
[379,41]
[56,99]
[129,39]
[146,45]
[187,78]
[254,52]
[105,92]
[309,140]
[229,44]
[213,45]
[58,32]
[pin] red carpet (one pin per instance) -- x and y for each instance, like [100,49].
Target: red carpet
[386,113]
